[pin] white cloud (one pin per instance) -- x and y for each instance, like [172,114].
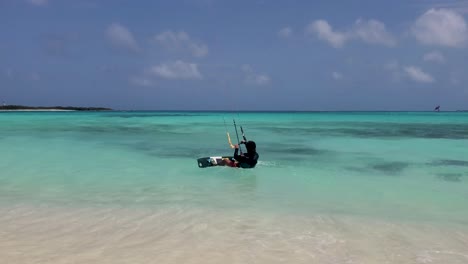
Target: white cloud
[434,56]
[324,31]
[176,70]
[285,32]
[252,77]
[370,31]
[181,41]
[460,6]
[121,37]
[441,27]
[38,2]
[416,74]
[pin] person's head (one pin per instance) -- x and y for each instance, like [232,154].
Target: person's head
[251,146]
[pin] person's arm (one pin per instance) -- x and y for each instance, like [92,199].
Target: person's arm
[236,153]
[239,158]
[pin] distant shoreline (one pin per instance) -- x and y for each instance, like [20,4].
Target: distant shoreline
[35,110]
[21,108]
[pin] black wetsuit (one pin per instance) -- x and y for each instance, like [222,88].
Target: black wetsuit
[247,160]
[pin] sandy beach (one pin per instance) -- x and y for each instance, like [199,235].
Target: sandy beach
[183,235]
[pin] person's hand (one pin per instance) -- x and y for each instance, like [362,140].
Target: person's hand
[242,142]
[236,146]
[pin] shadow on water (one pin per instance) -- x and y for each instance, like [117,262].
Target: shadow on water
[158,150]
[93,128]
[389,168]
[449,162]
[280,154]
[450,177]
[150,114]
[358,169]
[128,129]
[294,149]
[376,130]
[395,167]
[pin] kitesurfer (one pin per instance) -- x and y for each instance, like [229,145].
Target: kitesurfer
[244,160]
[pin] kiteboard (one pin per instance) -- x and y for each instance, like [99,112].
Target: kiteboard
[213,161]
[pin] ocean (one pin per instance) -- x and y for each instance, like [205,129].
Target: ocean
[330,187]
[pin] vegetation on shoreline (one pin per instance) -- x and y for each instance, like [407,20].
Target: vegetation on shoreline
[21,107]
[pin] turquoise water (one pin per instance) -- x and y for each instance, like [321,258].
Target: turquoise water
[406,166]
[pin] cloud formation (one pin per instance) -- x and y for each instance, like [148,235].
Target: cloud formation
[324,31]
[434,56]
[416,74]
[181,41]
[373,32]
[251,77]
[177,70]
[460,6]
[442,27]
[412,72]
[368,31]
[121,37]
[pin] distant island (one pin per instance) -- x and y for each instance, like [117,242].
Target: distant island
[53,108]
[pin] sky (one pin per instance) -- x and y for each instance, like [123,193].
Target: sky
[235,55]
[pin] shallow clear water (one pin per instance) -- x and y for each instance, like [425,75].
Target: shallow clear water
[125,187]
[400,165]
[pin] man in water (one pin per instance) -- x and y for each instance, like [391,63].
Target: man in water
[246,160]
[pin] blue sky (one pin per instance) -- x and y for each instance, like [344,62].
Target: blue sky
[235,55]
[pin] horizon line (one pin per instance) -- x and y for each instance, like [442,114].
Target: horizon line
[226,110]
[270,110]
